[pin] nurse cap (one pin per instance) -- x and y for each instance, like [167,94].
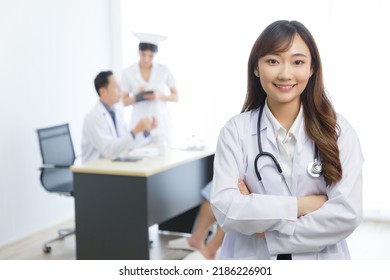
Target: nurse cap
[148,41]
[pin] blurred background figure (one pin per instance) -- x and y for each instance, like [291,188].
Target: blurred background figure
[104,131]
[145,84]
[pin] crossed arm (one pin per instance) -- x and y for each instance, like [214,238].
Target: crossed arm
[306,204]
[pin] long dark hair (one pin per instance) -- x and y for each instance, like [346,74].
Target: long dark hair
[320,117]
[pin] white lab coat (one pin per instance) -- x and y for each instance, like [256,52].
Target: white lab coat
[101,139]
[160,79]
[318,235]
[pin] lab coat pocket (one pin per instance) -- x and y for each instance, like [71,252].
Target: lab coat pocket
[329,256]
[243,247]
[331,252]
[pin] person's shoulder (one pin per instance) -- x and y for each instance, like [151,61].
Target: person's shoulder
[342,122]
[91,114]
[161,66]
[346,130]
[131,68]
[240,121]
[244,116]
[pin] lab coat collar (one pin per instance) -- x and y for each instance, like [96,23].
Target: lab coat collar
[300,131]
[108,108]
[102,110]
[264,121]
[265,124]
[302,137]
[295,128]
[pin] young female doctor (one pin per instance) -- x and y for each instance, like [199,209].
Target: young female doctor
[299,163]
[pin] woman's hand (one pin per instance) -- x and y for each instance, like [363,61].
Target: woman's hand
[127,99]
[260,235]
[242,187]
[141,89]
[151,96]
[311,203]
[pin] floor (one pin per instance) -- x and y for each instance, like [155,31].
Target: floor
[371,241]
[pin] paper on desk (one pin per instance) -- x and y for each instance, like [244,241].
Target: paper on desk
[148,151]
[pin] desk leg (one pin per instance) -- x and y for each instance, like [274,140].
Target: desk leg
[111,217]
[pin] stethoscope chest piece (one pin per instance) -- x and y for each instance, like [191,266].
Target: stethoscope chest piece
[314,169]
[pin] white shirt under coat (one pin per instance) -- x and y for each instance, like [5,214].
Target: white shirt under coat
[318,235]
[286,141]
[100,138]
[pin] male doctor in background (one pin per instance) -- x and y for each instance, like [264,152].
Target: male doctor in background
[104,130]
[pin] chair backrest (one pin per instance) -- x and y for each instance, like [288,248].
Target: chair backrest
[56,150]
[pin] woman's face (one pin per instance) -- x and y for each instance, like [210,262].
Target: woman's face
[146,58]
[285,75]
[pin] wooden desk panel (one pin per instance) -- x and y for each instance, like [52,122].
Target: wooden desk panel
[113,212]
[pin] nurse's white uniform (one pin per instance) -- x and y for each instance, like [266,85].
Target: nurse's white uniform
[318,235]
[160,78]
[100,137]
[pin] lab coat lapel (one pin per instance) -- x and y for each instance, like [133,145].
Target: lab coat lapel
[300,159]
[108,119]
[302,139]
[268,138]
[270,175]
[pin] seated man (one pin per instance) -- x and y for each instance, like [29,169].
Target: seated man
[104,130]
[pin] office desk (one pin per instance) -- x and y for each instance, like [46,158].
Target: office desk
[116,202]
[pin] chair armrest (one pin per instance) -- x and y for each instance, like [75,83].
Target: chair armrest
[53,166]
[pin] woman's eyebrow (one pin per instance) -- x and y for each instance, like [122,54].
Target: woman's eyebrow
[280,53]
[299,54]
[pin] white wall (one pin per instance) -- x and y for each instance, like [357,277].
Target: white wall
[50,52]
[358,84]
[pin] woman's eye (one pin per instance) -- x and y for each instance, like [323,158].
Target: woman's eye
[272,61]
[299,62]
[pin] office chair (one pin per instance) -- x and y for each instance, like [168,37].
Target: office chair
[57,156]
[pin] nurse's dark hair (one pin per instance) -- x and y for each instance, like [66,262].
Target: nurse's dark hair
[148,46]
[320,116]
[101,80]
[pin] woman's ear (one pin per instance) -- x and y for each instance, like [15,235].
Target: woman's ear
[257,74]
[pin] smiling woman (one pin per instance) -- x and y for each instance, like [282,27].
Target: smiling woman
[288,111]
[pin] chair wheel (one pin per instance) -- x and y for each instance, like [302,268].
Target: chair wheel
[46,249]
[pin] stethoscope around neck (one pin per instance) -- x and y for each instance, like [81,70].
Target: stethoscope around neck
[314,168]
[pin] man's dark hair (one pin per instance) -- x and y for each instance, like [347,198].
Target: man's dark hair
[101,80]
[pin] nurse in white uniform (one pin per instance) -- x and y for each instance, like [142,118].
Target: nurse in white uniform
[104,130]
[146,83]
[286,206]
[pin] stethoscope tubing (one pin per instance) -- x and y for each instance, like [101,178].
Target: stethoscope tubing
[312,168]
